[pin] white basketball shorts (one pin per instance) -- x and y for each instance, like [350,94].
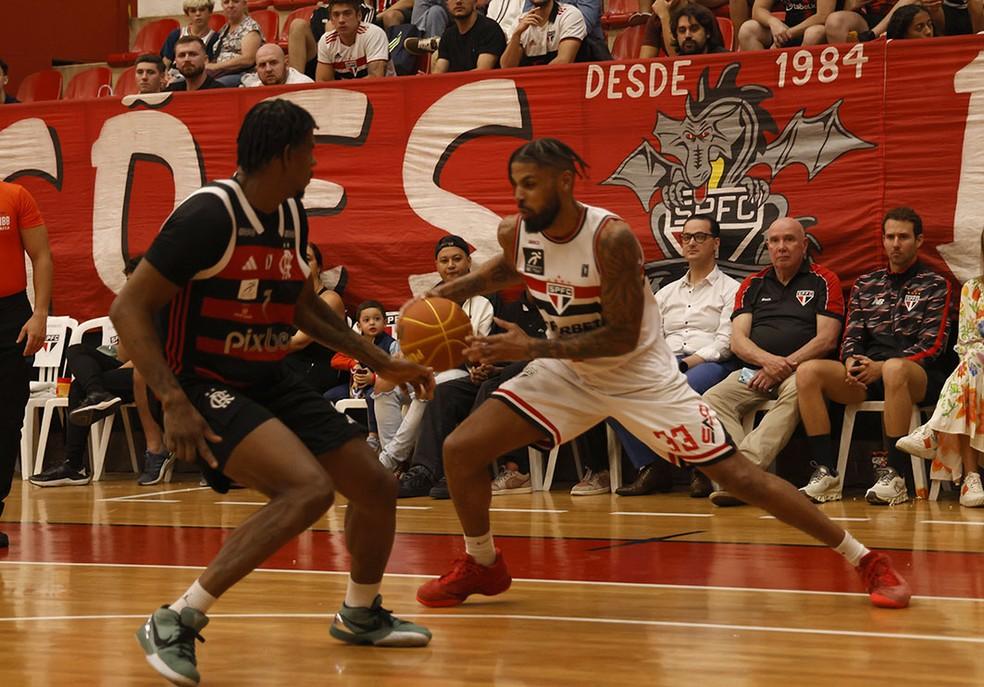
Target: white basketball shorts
[666,415]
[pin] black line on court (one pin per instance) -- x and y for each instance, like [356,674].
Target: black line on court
[651,540]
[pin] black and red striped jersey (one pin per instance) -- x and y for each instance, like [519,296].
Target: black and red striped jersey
[899,315]
[240,272]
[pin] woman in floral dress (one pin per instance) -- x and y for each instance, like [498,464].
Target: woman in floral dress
[954,437]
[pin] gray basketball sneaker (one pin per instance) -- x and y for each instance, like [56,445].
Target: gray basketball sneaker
[168,641]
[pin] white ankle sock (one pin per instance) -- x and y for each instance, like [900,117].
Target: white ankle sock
[852,549]
[196,597]
[482,549]
[360,595]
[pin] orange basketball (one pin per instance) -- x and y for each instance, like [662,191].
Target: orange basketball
[432,332]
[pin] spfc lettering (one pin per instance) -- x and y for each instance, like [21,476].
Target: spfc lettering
[534,260]
[804,296]
[560,296]
[910,301]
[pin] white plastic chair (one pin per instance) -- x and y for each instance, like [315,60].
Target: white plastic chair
[49,361]
[847,430]
[542,482]
[99,432]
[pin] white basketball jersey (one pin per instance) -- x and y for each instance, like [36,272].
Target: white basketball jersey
[564,280]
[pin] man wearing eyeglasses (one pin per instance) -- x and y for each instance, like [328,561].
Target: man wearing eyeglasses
[696,317]
[790,312]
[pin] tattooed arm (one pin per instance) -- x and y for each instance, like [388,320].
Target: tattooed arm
[622,294]
[493,275]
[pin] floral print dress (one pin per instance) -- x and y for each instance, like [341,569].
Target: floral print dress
[960,409]
[230,45]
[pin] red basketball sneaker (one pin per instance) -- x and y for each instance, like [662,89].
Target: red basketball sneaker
[465,578]
[884,585]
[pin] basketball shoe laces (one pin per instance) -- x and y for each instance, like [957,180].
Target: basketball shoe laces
[462,568]
[879,575]
[184,641]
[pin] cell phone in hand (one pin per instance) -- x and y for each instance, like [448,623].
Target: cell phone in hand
[746,375]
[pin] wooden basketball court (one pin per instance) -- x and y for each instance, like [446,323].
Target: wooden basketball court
[656,590]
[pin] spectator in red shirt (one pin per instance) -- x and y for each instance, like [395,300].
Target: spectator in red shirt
[22,330]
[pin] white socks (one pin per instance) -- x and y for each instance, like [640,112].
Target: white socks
[482,549]
[196,597]
[360,595]
[852,550]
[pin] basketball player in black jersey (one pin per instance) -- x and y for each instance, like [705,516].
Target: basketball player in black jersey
[227,273]
[605,356]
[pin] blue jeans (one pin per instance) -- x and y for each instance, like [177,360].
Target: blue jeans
[700,378]
[429,16]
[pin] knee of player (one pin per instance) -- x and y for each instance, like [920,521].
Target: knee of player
[314,496]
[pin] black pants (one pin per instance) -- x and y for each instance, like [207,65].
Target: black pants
[453,401]
[15,372]
[92,371]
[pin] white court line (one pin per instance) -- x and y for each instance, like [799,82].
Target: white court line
[531,580]
[967,523]
[525,510]
[345,505]
[772,517]
[432,617]
[142,496]
[663,515]
[153,501]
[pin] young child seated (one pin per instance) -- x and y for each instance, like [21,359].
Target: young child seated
[371,321]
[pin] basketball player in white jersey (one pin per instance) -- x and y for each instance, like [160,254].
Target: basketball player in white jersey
[605,357]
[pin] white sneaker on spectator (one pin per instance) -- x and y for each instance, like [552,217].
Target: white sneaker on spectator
[972,493]
[920,442]
[592,483]
[511,482]
[823,486]
[888,490]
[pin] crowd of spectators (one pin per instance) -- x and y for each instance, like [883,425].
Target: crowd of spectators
[351,39]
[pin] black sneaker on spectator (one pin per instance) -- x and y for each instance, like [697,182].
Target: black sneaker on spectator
[421,46]
[95,406]
[4,540]
[157,468]
[440,490]
[63,475]
[416,481]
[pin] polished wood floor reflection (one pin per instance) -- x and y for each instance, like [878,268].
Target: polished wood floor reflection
[656,590]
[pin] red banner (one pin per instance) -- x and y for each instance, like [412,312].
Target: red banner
[833,135]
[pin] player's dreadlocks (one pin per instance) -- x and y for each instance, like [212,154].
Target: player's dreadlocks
[549,152]
[268,129]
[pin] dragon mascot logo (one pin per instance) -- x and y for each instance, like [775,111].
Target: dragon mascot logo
[704,164]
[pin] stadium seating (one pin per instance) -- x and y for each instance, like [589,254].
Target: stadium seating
[150,38]
[727,32]
[217,21]
[622,13]
[303,14]
[268,20]
[43,85]
[289,5]
[126,83]
[92,83]
[628,43]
